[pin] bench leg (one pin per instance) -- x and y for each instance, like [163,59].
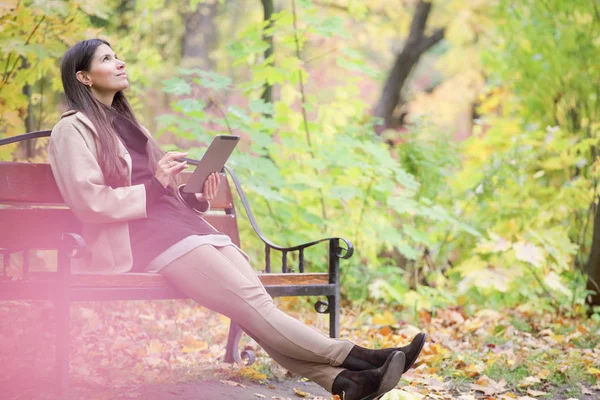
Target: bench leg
[63,322]
[232,353]
[334,315]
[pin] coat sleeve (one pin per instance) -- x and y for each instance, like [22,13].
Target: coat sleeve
[81,182]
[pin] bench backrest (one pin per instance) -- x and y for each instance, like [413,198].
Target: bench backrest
[32,209]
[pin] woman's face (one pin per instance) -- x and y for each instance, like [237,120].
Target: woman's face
[106,75]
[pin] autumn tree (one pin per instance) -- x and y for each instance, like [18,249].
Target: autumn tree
[417,43]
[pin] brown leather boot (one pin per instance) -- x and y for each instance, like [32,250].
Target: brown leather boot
[361,358]
[370,384]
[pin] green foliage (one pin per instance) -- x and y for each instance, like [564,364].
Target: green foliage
[323,172]
[527,186]
[34,36]
[502,218]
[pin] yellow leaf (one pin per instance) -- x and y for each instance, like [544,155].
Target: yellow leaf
[543,374]
[529,381]
[594,371]
[398,394]
[301,393]
[190,342]
[536,393]
[288,94]
[473,370]
[250,373]
[155,347]
[386,319]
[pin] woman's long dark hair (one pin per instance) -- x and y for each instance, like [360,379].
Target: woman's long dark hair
[80,98]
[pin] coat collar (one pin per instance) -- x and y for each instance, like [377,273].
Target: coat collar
[123,153]
[81,117]
[85,120]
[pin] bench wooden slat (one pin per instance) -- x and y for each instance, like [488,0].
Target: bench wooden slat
[156,280]
[37,227]
[34,183]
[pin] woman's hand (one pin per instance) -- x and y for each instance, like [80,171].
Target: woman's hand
[167,167]
[210,188]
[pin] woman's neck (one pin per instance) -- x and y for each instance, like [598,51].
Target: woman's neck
[105,98]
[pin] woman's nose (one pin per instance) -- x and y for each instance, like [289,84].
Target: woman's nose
[121,64]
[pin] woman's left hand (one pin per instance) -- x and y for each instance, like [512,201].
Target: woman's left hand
[210,188]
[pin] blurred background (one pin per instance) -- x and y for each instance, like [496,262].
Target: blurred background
[453,142]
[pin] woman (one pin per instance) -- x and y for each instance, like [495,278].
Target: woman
[123,188]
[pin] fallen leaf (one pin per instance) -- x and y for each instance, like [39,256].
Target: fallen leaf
[543,374]
[398,394]
[488,386]
[301,393]
[385,331]
[386,319]
[529,381]
[232,383]
[260,396]
[594,371]
[535,393]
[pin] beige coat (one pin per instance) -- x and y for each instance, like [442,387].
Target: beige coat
[104,211]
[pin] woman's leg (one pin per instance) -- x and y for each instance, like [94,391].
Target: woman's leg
[359,358]
[232,288]
[322,374]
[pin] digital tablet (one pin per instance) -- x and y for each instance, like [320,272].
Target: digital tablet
[213,160]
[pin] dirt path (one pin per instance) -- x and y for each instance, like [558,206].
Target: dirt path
[225,390]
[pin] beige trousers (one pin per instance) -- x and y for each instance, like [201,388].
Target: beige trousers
[222,280]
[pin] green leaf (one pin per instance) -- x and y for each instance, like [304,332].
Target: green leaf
[177,86]
[192,107]
[261,107]
[212,80]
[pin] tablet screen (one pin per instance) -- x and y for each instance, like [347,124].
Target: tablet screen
[213,160]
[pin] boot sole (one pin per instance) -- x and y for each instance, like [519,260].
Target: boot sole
[412,362]
[394,368]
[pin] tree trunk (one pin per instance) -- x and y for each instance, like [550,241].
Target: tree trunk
[28,147]
[416,44]
[267,94]
[200,35]
[593,265]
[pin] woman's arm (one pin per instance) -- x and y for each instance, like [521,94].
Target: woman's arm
[201,201]
[81,182]
[200,205]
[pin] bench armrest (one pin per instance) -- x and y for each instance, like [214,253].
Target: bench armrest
[334,243]
[73,243]
[340,252]
[335,249]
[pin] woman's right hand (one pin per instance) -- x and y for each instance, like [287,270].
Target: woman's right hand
[168,167]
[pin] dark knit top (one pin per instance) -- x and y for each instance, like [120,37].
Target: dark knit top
[168,219]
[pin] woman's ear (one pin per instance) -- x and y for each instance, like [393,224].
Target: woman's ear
[83,78]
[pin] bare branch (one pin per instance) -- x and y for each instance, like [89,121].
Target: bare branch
[429,41]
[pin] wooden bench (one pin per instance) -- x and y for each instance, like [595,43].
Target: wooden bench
[33,216]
